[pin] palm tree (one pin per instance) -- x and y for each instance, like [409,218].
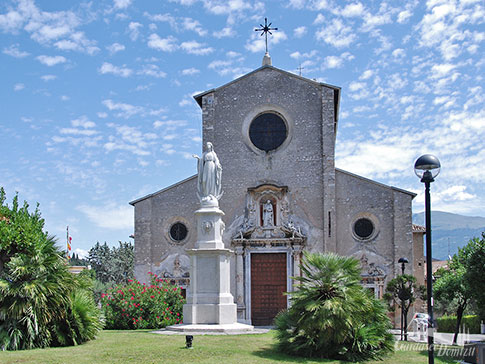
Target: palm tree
[331,315]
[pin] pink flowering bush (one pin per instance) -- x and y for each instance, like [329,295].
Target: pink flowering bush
[142,306]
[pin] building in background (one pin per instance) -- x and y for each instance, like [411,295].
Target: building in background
[274,133]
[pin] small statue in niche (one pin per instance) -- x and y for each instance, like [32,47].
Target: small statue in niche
[268,217]
[177,271]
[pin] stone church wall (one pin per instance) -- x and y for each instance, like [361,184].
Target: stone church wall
[155,251]
[388,208]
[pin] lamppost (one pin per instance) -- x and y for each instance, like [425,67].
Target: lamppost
[403,261]
[427,167]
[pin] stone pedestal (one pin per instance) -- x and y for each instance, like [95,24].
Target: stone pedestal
[210,305]
[209,300]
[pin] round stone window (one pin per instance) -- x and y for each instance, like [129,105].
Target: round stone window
[268,131]
[178,231]
[363,228]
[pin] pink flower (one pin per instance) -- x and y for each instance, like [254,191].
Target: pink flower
[152,296]
[132,298]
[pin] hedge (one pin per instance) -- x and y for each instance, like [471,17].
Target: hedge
[448,324]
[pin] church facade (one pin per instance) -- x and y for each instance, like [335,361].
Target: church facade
[274,133]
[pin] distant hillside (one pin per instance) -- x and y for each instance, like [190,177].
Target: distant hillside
[451,231]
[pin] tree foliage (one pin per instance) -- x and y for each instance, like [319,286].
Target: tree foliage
[452,286]
[76,260]
[332,315]
[112,265]
[403,291]
[472,257]
[41,302]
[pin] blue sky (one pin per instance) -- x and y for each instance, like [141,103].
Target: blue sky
[97,109]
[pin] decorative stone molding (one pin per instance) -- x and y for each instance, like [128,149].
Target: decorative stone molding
[255,231]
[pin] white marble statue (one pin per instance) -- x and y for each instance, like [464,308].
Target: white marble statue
[268,219]
[209,171]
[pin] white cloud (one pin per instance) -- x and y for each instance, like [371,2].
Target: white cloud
[152,70]
[51,61]
[124,110]
[18,86]
[194,47]
[75,131]
[298,55]
[14,51]
[442,27]
[353,10]
[107,67]
[403,16]
[134,30]
[441,70]
[77,42]
[115,47]
[366,75]
[109,216]
[222,67]
[47,78]
[129,139]
[80,127]
[337,61]
[169,124]
[398,53]
[320,19]
[162,44]
[190,71]
[83,122]
[299,32]
[83,254]
[194,25]
[297,4]
[337,34]
[121,4]
[225,32]
[256,43]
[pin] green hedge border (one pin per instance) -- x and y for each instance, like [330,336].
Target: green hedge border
[448,324]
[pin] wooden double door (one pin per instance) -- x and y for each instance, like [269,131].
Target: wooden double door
[268,285]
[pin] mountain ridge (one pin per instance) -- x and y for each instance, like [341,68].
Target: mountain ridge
[451,231]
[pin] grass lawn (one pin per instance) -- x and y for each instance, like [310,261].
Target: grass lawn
[142,347]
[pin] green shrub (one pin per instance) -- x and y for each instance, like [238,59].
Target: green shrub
[141,306]
[332,315]
[41,303]
[448,324]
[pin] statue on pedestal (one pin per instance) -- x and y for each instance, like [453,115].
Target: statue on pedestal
[209,171]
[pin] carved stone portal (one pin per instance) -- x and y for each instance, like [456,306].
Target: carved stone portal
[268,217]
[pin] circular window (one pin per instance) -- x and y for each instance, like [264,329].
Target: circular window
[363,228]
[178,231]
[268,131]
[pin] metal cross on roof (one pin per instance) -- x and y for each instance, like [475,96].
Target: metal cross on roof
[265,29]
